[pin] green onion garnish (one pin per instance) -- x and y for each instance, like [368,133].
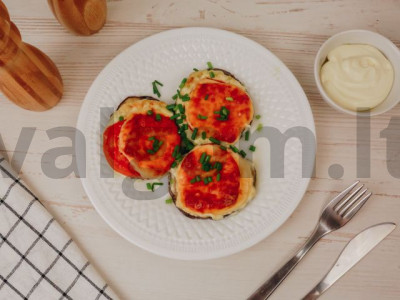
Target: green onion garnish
[174,117]
[182,83]
[158,183]
[193,180]
[151,138]
[259,127]
[151,151]
[214,140]
[181,108]
[169,201]
[157,82]
[196,70]
[121,118]
[223,147]
[206,97]
[212,75]
[224,111]
[175,152]
[185,126]
[201,117]
[197,178]
[158,117]
[258,117]
[247,135]
[155,88]
[207,159]
[150,112]
[242,153]
[149,186]
[202,157]
[174,164]
[205,180]
[252,148]
[210,66]
[229,98]
[185,98]
[179,121]
[171,106]
[218,177]
[234,149]
[194,134]
[175,96]
[203,135]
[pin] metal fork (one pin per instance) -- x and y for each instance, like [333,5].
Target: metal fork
[335,215]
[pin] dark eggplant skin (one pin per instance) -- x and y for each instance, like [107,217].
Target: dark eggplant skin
[138,98]
[173,196]
[228,74]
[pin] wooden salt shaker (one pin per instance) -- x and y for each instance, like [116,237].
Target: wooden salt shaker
[28,77]
[84,17]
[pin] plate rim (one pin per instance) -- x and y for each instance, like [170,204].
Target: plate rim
[256,238]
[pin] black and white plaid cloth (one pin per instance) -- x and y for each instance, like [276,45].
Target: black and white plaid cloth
[38,260]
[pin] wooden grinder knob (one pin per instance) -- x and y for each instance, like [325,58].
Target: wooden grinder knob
[84,17]
[28,77]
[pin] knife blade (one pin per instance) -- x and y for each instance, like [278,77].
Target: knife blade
[354,251]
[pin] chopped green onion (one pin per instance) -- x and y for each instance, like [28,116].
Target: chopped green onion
[183,117]
[169,201]
[206,167]
[174,164]
[229,98]
[206,97]
[155,88]
[181,108]
[158,117]
[185,98]
[151,151]
[259,127]
[179,121]
[149,186]
[218,177]
[212,75]
[247,135]
[193,180]
[223,147]
[202,117]
[210,66]
[205,180]
[174,117]
[196,70]
[158,183]
[151,138]
[214,140]
[224,111]
[203,135]
[175,96]
[175,152]
[209,178]
[242,153]
[194,134]
[202,157]
[150,112]
[258,117]
[217,112]
[157,82]
[207,159]
[197,178]
[121,118]
[185,126]
[252,148]
[182,83]
[218,166]
[171,106]
[234,149]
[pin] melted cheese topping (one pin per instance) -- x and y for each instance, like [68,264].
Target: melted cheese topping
[207,97]
[218,198]
[140,130]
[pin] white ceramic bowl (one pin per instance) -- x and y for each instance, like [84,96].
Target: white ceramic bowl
[389,49]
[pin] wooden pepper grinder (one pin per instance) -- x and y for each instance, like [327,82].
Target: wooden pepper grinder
[84,17]
[28,77]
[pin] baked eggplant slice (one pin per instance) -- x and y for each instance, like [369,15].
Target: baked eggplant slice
[141,138]
[219,105]
[212,183]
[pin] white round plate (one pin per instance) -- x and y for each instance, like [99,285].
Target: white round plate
[168,57]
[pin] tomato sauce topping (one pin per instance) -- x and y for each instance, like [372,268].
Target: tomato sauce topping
[142,133]
[218,95]
[215,195]
[114,157]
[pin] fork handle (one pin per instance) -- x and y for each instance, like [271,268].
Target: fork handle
[275,280]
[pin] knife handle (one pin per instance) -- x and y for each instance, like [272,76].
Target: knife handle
[275,280]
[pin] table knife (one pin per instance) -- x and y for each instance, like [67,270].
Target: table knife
[354,251]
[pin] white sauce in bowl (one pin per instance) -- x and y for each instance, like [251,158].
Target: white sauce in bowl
[357,76]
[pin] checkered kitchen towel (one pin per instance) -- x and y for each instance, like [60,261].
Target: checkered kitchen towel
[38,260]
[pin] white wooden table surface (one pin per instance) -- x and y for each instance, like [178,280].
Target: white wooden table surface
[293,30]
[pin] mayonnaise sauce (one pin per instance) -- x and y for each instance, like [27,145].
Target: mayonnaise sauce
[357,76]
